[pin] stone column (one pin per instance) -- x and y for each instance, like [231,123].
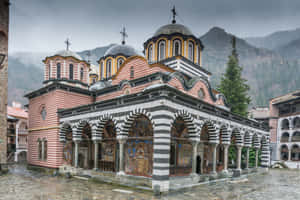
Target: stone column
[43,150]
[290,155]
[226,146]
[194,161]
[121,156]
[256,158]
[214,150]
[76,153]
[247,158]
[239,157]
[96,148]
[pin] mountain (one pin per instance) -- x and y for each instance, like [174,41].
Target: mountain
[267,72]
[275,40]
[291,50]
[26,71]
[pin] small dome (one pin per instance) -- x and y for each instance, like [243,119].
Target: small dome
[66,53]
[120,49]
[173,28]
[94,69]
[100,85]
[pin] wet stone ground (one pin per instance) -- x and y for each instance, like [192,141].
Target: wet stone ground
[21,184]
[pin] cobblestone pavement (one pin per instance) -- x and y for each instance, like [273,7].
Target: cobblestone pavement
[277,185]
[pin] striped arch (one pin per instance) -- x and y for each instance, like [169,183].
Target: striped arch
[77,135]
[189,120]
[265,152]
[247,139]
[213,135]
[225,134]
[238,136]
[64,128]
[130,119]
[99,126]
[255,141]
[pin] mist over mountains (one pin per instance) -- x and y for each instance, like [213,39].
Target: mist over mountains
[271,64]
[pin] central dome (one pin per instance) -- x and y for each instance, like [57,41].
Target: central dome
[173,28]
[121,49]
[67,53]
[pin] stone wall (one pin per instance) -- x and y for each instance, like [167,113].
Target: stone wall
[4,21]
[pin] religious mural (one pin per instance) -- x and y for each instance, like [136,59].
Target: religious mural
[139,148]
[68,149]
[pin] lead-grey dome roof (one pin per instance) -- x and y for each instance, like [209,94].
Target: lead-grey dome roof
[66,53]
[121,49]
[173,28]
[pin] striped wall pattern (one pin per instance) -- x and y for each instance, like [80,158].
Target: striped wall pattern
[247,139]
[265,152]
[99,126]
[64,129]
[130,119]
[189,121]
[238,136]
[255,141]
[79,129]
[225,134]
[213,135]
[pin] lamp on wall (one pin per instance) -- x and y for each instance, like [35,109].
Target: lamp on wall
[2,58]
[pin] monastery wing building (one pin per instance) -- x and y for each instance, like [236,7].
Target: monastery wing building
[153,119]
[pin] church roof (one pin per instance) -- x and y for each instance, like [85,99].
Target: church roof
[173,28]
[121,49]
[66,53]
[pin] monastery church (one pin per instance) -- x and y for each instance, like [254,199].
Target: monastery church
[153,118]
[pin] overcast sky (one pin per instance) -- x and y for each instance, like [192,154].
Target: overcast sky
[43,25]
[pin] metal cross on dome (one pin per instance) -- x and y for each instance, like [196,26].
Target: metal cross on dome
[68,43]
[174,15]
[124,35]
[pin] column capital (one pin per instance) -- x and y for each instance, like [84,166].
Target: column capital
[96,141]
[122,140]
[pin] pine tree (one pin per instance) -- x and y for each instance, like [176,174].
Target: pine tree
[233,86]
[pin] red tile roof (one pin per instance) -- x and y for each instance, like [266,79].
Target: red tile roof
[16,112]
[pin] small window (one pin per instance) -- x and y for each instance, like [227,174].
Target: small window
[131,72]
[101,70]
[58,70]
[161,50]
[120,62]
[108,69]
[94,80]
[81,73]
[45,149]
[199,55]
[71,72]
[176,48]
[43,113]
[201,94]
[191,51]
[40,147]
[150,53]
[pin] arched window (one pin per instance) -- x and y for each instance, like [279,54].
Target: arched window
[58,71]
[199,55]
[108,68]
[285,124]
[284,152]
[296,122]
[295,153]
[120,62]
[285,137]
[176,47]
[161,50]
[81,73]
[131,72]
[150,53]
[191,51]
[40,151]
[71,71]
[101,70]
[45,149]
[296,136]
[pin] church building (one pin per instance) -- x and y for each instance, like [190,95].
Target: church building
[154,118]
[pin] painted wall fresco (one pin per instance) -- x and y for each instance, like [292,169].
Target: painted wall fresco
[139,148]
